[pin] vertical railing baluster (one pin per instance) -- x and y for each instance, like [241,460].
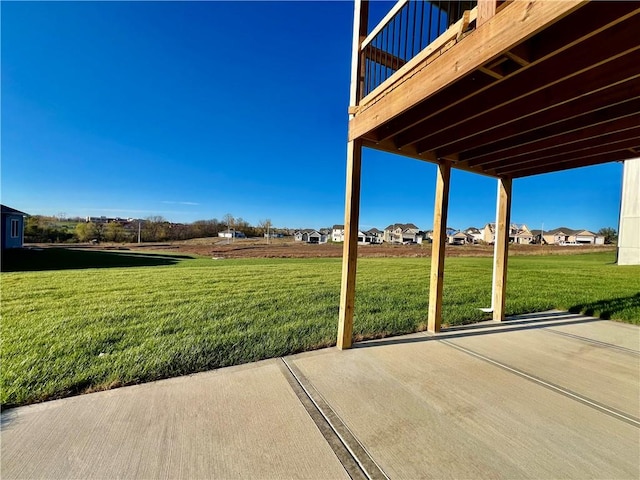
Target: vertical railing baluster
[389,45]
[393,42]
[420,47]
[413,35]
[385,41]
[406,32]
[430,22]
[368,64]
[378,60]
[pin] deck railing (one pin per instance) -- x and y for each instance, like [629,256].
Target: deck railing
[410,27]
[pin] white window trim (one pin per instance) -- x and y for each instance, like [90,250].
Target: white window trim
[15,222]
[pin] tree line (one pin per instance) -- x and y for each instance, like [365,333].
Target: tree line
[46,229]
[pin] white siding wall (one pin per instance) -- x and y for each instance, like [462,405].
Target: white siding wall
[629,235]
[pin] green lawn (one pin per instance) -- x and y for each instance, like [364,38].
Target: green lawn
[75,330]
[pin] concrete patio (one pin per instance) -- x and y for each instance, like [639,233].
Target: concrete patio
[551,395]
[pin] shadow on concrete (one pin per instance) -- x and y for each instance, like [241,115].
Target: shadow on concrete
[605,309]
[7,418]
[39,259]
[483,329]
[514,320]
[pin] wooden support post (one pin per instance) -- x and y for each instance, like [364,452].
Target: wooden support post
[350,247]
[438,246]
[486,10]
[352,195]
[501,249]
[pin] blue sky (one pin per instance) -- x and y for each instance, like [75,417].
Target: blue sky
[194,110]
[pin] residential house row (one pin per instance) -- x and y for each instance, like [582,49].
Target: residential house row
[522,235]
[408,233]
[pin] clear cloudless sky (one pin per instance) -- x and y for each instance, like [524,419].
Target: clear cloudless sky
[191,110]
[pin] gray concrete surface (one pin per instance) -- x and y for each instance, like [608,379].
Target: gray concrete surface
[238,422]
[546,396]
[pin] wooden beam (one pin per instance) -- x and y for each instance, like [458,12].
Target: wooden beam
[515,24]
[587,97]
[587,147]
[611,118]
[350,247]
[521,54]
[438,247]
[491,73]
[486,10]
[562,35]
[582,162]
[599,151]
[386,59]
[501,248]
[570,68]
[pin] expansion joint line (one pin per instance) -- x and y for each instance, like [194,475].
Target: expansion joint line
[590,340]
[631,420]
[351,453]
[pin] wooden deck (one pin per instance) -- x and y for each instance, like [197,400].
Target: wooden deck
[541,86]
[510,89]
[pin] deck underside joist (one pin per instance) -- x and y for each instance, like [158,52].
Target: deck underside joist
[559,90]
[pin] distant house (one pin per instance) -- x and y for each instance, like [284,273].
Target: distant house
[459,238]
[368,238]
[474,233]
[12,227]
[231,234]
[568,236]
[374,236]
[309,235]
[517,234]
[521,235]
[590,238]
[337,233]
[401,233]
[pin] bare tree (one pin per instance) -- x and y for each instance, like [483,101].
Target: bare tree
[229,220]
[264,226]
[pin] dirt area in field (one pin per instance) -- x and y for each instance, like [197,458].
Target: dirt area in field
[286,248]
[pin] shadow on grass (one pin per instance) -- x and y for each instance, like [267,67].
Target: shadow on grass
[31,260]
[606,309]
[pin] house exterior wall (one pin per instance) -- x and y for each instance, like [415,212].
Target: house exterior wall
[374,238]
[629,229]
[12,235]
[524,239]
[487,235]
[586,238]
[337,235]
[234,234]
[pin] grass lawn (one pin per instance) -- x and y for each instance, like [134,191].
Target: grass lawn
[141,318]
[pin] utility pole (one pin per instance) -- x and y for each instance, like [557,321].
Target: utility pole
[139,229]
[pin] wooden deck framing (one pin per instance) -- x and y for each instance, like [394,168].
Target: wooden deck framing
[536,86]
